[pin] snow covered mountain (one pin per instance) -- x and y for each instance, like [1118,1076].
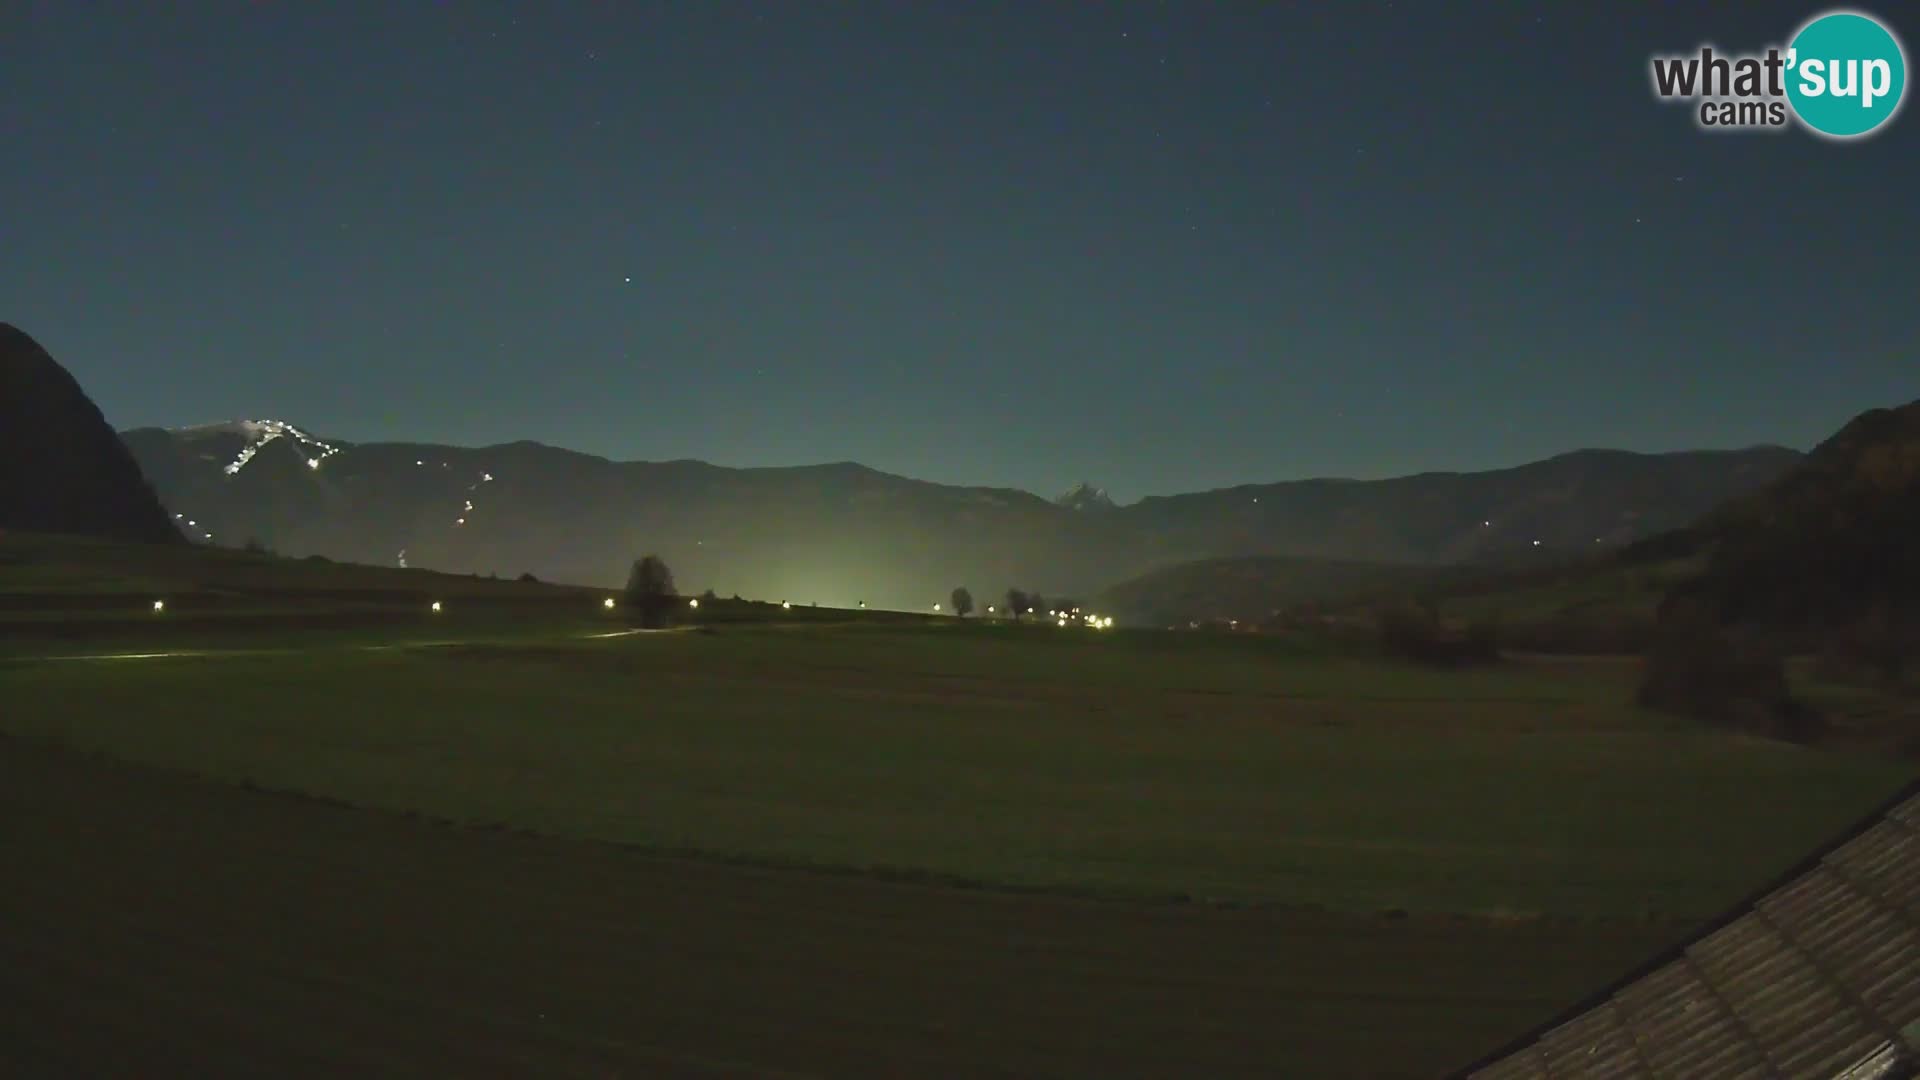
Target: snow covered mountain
[1084,496]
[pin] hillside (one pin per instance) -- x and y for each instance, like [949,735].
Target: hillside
[1567,503]
[1563,541]
[1832,543]
[62,468]
[842,533]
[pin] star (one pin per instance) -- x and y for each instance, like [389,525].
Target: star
[627,280]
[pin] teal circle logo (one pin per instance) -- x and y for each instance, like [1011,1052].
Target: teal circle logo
[1846,74]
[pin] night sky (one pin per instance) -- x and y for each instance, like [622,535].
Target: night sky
[1161,247]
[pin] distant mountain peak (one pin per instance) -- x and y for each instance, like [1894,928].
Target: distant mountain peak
[255,434]
[1084,496]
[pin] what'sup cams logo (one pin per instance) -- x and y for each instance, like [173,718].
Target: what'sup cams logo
[1843,75]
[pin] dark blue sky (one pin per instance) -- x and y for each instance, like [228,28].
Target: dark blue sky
[1160,246]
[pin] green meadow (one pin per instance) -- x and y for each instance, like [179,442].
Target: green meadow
[1141,765]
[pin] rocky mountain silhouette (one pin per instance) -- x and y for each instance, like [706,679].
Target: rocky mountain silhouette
[1084,496]
[63,469]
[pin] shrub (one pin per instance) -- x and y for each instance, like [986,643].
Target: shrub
[1414,631]
[1877,649]
[1731,678]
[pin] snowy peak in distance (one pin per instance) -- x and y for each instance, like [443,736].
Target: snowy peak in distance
[1084,496]
[254,434]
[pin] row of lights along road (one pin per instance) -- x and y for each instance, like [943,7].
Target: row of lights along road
[1095,621]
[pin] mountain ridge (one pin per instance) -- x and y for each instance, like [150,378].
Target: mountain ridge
[843,532]
[1075,491]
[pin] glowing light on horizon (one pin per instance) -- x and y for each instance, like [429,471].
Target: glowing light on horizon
[694,603]
[436,606]
[159,606]
[607,603]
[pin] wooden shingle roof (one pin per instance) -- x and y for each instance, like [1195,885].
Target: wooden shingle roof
[1815,976]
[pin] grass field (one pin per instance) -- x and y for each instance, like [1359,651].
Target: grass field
[152,925]
[1146,765]
[842,842]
